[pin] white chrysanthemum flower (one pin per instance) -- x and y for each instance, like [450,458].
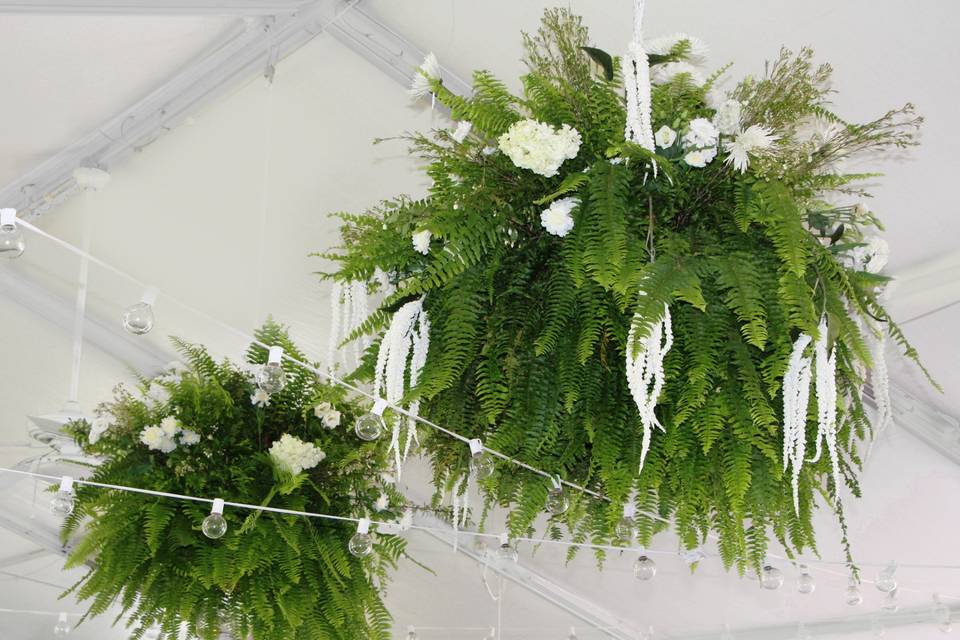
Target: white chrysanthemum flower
[754,140]
[727,117]
[292,454]
[872,257]
[662,45]
[539,147]
[664,73]
[260,398]
[701,133]
[170,426]
[152,436]
[462,131]
[556,218]
[421,241]
[665,137]
[382,503]
[189,437]
[98,427]
[427,71]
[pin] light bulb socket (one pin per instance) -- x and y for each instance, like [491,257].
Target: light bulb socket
[476,446]
[504,539]
[629,510]
[363,526]
[217,507]
[66,484]
[149,296]
[8,217]
[379,406]
[275,356]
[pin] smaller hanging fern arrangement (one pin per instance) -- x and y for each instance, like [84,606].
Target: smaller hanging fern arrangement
[671,299]
[207,430]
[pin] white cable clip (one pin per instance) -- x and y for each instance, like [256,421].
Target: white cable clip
[275,356]
[629,510]
[379,406]
[66,484]
[476,446]
[217,507]
[8,218]
[504,539]
[150,296]
[363,525]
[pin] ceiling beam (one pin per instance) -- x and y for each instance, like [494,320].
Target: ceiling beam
[153,7]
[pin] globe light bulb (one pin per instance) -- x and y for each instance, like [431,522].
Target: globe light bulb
[361,544]
[138,319]
[644,568]
[12,243]
[626,528]
[62,502]
[887,580]
[507,552]
[62,628]
[771,578]
[557,502]
[805,583]
[271,377]
[371,426]
[214,526]
[853,596]
[890,604]
[482,465]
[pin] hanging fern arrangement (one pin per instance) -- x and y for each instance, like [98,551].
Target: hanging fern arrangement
[207,430]
[674,305]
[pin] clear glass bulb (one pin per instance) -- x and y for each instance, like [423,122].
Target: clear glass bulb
[854,597]
[805,583]
[508,553]
[557,502]
[771,578]
[625,530]
[887,580]
[482,465]
[272,378]
[138,319]
[214,526]
[62,503]
[369,427]
[644,568]
[61,629]
[12,243]
[890,604]
[361,544]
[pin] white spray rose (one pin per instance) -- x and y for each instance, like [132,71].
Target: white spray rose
[556,218]
[665,137]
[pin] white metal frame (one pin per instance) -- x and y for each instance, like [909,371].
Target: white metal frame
[153,7]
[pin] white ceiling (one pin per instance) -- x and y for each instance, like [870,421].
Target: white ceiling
[222,214]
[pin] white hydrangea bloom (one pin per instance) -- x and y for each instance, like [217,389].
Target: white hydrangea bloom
[98,427]
[189,437]
[539,147]
[754,140]
[294,455]
[421,241]
[665,137]
[701,133]
[462,131]
[556,218]
[727,117]
[260,398]
[661,45]
[664,73]
[427,71]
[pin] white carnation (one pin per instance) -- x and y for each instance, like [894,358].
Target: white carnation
[539,147]
[662,45]
[700,133]
[427,71]
[754,140]
[294,455]
[462,131]
[189,437]
[556,218]
[665,137]
[727,117]
[421,241]
[664,73]
[260,398]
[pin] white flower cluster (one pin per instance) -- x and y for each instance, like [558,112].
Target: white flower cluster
[556,218]
[539,147]
[428,71]
[700,142]
[665,137]
[421,241]
[753,141]
[165,436]
[292,454]
[327,414]
[462,131]
[872,257]
[727,117]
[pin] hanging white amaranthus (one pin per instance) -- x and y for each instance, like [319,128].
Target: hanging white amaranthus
[348,310]
[796,396]
[879,381]
[636,81]
[406,340]
[826,390]
[645,373]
